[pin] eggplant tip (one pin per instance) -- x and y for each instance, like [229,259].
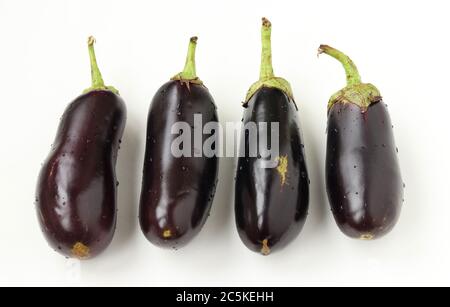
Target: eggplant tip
[80,251]
[167,234]
[367,237]
[265,250]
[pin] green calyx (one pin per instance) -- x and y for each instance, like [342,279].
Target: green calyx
[266,76]
[363,95]
[356,92]
[189,75]
[97,80]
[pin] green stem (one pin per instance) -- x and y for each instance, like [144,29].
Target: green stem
[189,72]
[266,70]
[266,75]
[353,77]
[97,80]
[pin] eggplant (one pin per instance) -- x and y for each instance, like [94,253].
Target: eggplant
[363,178]
[178,190]
[77,186]
[271,202]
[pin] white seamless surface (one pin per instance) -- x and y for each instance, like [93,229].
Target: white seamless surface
[400,46]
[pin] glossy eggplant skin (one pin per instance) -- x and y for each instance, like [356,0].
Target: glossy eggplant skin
[177,192]
[364,184]
[271,205]
[76,191]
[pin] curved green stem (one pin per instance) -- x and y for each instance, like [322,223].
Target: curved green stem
[266,69]
[97,80]
[353,77]
[356,92]
[189,73]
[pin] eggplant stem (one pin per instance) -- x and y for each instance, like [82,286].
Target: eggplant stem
[97,80]
[266,69]
[351,71]
[189,75]
[266,75]
[189,72]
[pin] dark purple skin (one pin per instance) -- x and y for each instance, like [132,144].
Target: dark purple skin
[177,192]
[76,191]
[364,184]
[270,213]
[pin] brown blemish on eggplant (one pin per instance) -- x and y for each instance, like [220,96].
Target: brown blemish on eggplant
[367,237]
[167,233]
[265,250]
[282,168]
[80,251]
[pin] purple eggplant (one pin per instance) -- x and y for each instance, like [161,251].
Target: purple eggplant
[77,186]
[178,190]
[271,202]
[364,183]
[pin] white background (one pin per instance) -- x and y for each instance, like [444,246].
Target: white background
[400,46]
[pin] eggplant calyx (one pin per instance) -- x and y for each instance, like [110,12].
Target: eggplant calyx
[273,82]
[186,81]
[103,88]
[266,75]
[189,74]
[362,95]
[97,80]
[356,92]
